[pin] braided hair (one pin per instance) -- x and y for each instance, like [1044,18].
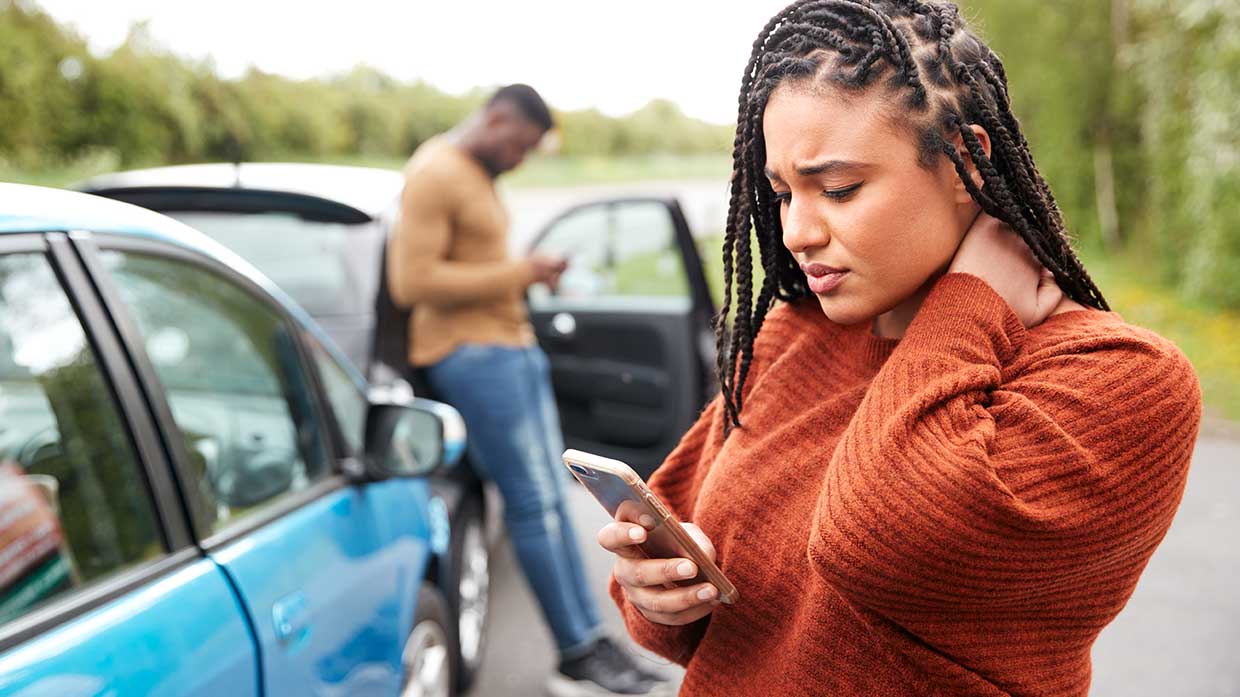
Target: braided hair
[946,78]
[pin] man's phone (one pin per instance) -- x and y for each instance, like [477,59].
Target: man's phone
[627,498]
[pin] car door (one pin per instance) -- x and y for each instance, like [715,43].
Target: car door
[102,591]
[329,571]
[628,329]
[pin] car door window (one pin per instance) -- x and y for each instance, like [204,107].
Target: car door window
[74,506]
[235,382]
[349,403]
[616,249]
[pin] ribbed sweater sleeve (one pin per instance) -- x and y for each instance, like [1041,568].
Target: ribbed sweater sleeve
[676,483]
[979,481]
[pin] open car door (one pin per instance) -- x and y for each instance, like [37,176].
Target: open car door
[628,329]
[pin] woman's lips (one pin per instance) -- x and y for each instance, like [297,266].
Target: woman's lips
[823,278]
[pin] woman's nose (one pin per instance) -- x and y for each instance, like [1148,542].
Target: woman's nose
[804,229]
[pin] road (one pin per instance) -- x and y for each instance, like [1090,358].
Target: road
[1178,635]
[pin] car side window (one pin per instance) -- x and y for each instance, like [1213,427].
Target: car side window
[615,249]
[349,403]
[234,379]
[74,506]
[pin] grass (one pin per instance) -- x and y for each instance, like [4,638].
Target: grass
[61,174]
[551,170]
[1209,336]
[538,171]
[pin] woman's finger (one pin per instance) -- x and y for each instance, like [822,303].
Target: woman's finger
[674,607]
[1049,296]
[653,572]
[632,512]
[622,539]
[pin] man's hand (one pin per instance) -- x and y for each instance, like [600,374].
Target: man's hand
[993,252]
[546,269]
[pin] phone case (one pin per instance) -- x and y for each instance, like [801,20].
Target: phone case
[626,497]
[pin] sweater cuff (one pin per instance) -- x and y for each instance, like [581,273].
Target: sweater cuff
[964,316]
[675,643]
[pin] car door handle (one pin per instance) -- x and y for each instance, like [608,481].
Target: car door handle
[289,617]
[563,326]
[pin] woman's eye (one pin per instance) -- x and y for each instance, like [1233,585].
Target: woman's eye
[842,194]
[782,197]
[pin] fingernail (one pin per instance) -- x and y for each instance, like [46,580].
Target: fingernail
[685,569]
[646,521]
[706,593]
[635,534]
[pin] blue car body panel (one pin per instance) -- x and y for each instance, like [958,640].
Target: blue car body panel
[316,602]
[332,586]
[183,634]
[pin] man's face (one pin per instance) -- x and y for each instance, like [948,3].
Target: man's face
[510,136]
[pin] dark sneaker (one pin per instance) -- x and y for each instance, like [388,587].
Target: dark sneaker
[598,674]
[624,659]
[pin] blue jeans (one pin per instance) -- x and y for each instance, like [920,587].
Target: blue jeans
[505,397]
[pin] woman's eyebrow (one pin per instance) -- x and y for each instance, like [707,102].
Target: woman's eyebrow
[827,167]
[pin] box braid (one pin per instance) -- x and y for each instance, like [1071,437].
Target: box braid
[947,78]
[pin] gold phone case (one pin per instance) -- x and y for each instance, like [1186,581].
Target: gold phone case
[626,497]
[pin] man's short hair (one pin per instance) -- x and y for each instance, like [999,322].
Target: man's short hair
[528,101]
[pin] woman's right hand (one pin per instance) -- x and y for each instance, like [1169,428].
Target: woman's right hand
[646,581]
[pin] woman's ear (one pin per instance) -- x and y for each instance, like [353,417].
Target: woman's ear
[962,194]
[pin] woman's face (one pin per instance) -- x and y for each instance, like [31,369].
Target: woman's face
[869,225]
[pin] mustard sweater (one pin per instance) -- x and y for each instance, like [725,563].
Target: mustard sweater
[449,257]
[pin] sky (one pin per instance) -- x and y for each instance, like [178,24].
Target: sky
[613,56]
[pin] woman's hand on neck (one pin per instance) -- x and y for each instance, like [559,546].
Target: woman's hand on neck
[994,253]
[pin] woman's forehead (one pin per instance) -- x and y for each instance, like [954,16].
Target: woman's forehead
[805,125]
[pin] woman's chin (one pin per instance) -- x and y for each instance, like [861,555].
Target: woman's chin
[844,311]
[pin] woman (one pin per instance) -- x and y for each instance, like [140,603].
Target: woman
[938,464]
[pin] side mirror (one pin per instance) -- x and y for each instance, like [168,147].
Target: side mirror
[454,434]
[403,441]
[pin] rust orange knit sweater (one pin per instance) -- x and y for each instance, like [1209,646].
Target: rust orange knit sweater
[958,513]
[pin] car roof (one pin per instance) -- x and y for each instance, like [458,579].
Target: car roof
[37,209]
[368,190]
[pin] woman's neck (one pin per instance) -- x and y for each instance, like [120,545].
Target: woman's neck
[893,323]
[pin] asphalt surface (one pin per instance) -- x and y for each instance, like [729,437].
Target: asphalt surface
[1179,635]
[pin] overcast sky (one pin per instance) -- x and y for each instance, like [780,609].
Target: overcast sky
[615,56]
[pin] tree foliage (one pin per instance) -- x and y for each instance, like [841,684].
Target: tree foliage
[1145,95]
[145,104]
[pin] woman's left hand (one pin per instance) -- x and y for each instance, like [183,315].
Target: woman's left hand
[993,252]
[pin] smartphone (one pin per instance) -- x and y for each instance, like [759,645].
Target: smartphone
[627,498]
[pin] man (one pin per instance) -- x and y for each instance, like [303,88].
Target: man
[448,259]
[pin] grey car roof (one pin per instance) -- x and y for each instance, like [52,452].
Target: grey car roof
[371,190]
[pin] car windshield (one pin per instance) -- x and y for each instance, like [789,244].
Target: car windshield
[328,268]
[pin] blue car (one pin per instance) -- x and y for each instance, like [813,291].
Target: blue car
[198,493]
